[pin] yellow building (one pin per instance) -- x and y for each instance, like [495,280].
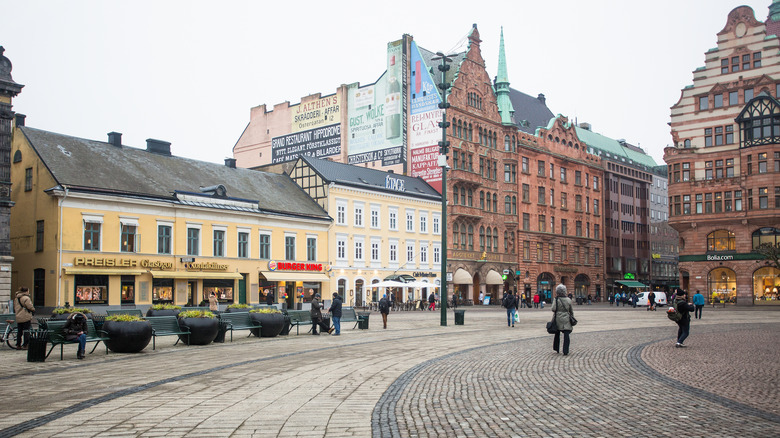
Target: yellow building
[385,225]
[99,224]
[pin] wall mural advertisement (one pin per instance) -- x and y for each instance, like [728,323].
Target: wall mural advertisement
[376,115]
[316,131]
[424,130]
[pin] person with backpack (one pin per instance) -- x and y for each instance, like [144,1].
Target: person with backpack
[510,302]
[680,312]
[431,301]
[384,309]
[24,309]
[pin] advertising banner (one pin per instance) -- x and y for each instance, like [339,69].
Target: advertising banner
[424,130]
[318,143]
[376,115]
[315,114]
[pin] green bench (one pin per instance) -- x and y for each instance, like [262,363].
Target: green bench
[299,318]
[134,312]
[57,335]
[239,321]
[166,326]
[348,314]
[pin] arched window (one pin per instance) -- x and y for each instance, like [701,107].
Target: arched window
[481,238]
[471,133]
[463,160]
[489,238]
[507,205]
[766,235]
[471,237]
[482,199]
[514,204]
[495,202]
[495,141]
[17,156]
[463,196]
[721,240]
[487,205]
[455,231]
[495,239]
[687,143]
[463,236]
[507,144]
[471,200]
[506,242]
[480,135]
[460,129]
[454,127]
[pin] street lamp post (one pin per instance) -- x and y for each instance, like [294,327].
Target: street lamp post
[444,148]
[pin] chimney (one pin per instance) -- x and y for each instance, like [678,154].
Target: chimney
[585,126]
[115,138]
[230,162]
[158,147]
[20,119]
[390,171]
[541,98]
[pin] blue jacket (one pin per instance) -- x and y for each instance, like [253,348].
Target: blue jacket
[698,299]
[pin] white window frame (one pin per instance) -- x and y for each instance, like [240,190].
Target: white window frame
[411,245]
[260,245]
[359,249]
[248,232]
[376,217]
[161,223]
[92,219]
[342,259]
[295,246]
[424,222]
[199,227]
[392,214]
[425,262]
[437,255]
[436,219]
[409,214]
[133,222]
[358,214]
[222,228]
[316,246]
[376,252]
[341,211]
[392,253]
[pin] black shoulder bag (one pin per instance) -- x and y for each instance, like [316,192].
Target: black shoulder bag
[552,326]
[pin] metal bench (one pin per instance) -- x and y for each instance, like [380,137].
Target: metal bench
[348,314]
[166,326]
[299,318]
[57,335]
[134,312]
[239,321]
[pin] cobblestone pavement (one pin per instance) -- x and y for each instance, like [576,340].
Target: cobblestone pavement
[418,379]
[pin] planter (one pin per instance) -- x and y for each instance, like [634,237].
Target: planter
[202,330]
[64,316]
[162,312]
[127,336]
[236,309]
[272,324]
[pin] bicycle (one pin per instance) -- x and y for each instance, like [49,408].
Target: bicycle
[10,334]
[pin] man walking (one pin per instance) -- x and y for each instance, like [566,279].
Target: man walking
[24,311]
[684,324]
[651,301]
[431,301]
[335,313]
[510,302]
[698,302]
[384,309]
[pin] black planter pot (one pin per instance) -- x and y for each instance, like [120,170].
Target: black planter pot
[64,316]
[162,312]
[202,330]
[272,324]
[236,310]
[127,336]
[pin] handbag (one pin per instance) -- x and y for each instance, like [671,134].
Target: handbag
[552,326]
[572,320]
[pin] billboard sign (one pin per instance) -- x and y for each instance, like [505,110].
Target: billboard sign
[317,142]
[375,114]
[424,130]
[315,114]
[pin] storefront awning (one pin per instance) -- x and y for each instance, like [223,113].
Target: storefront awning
[295,276]
[493,277]
[90,271]
[462,277]
[630,283]
[197,274]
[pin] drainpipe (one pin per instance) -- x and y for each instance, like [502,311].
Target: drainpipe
[59,253]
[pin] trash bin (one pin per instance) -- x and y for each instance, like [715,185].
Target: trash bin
[223,325]
[326,320]
[459,316]
[36,349]
[363,320]
[98,320]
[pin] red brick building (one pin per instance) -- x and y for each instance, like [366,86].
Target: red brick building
[724,168]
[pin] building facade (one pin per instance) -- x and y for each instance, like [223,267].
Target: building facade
[385,225]
[664,240]
[101,225]
[8,90]
[724,167]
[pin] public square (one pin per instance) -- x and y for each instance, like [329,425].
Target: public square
[623,377]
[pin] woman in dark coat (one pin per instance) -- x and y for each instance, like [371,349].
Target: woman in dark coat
[76,329]
[316,316]
[563,311]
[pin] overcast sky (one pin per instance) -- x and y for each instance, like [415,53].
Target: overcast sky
[188,72]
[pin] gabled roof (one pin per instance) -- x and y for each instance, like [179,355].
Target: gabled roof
[370,179]
[531,109]
[616,151]
[94,166]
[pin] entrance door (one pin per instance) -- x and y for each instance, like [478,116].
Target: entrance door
[39,287]
[242,290]
[359,293]
[192,292]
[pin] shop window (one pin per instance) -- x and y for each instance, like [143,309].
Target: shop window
[766,286]
[766,235]
[222,288]
[91,289]
[721,240]
[722,286]
[128,289]
[162,290]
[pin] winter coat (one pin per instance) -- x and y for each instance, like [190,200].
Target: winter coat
[72,328]
[315,312]
[213,303]
[23,306]
[685,310]
[698,299]
[537,298]
[335,307]
[384,305]
[562,309]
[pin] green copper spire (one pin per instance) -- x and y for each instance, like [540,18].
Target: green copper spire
[774,10]
[502,86]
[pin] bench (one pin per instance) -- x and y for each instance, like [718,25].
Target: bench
[299,318]
[57,335]
[134,312]
[348,314]
[239,321]
[166,326]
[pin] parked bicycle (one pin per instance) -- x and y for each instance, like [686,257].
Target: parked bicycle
[10,333]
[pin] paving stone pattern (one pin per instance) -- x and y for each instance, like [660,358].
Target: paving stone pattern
[415,379]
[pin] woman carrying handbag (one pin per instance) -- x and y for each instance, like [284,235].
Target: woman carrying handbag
[564,318]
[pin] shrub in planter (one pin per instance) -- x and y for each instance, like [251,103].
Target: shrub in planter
[271,319]
[238,308]
[163,310]
[127,333]
[64,312]
[203,326]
